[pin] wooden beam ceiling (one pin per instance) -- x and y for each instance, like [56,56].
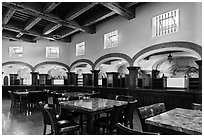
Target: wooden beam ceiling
[80,10]
[51,18]
[8,15]
[36,11]
[114,6]
[50,6]
[103,15]
[50,28]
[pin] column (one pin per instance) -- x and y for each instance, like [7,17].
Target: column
[70,78]
[133,77]
[199,62]
[95,77]
[34,76]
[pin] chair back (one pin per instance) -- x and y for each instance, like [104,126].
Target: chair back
[116,115]
[112,97]
[42,96]
[11,95]
[196,106]
[32,97]
[46,117]
[129,110]
[150,111]
[52,116]
[123,130]
[125,98]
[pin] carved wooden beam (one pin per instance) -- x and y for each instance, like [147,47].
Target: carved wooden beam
[119,9]
[50,6]
[50,28]
[31,22]
[48,17]
[67,32]
[103,15]
[8,16]
[130,4]
[21,31]
[80,10]
[10,36]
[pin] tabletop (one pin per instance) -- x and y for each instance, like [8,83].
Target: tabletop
[92,104]
[26,92]
[183,120]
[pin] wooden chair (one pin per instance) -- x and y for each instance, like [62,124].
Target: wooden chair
[15,101]
[123,130]
[59,126]
[109,123]
[150,111]
[196,106]
[128,113]
[112,97]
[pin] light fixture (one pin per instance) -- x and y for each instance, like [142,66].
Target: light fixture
[170,57]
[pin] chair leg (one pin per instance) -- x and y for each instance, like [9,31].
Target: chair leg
[44,131]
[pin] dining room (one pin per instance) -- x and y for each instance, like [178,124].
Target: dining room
[101,68]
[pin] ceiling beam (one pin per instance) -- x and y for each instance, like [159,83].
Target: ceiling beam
[16,29]
[50,28]
[50,6]
[130,4]
[114,6]
[101,16]
[48,17]
[10,36]
[66,32]
[31,22]
[8,15]
[79,10]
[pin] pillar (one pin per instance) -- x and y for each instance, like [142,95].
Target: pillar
[199,62]
[133,77]
[95,77]
[34,76]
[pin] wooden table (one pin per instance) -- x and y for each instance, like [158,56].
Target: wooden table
[181,120]
[91,107]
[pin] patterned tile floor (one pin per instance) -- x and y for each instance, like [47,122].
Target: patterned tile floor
[19,124]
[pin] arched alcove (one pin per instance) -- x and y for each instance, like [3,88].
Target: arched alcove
[17,73]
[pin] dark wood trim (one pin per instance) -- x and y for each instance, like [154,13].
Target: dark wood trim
[80,10]
[114,6]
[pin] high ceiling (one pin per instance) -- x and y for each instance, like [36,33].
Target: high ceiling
[30,21]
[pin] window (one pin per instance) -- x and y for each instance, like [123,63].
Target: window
[80,48]
[111,39]
[165,23]
[15,51]
[52,52]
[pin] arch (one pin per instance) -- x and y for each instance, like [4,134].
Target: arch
[179,44]
[20,63]
[53,63]
[82,60]
[124,56]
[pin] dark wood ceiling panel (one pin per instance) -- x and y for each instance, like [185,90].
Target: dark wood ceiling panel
[117,8]
[92,14]
[59,21]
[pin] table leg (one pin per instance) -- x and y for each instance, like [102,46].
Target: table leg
[90,124]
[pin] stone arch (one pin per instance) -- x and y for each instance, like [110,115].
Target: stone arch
[120,55]
[53,63]
[82,61]
[20,63]
[177,44]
